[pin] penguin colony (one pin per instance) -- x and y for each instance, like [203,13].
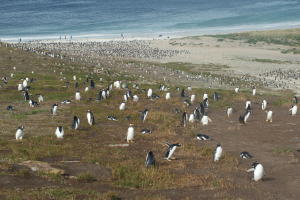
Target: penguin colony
[198,115]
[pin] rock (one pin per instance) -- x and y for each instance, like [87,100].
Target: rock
[42,167]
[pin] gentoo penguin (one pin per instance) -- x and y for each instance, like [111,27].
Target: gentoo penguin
[150,160]
[129,94]
[40,98]
[146,131]
[92,84]
[248,105]
[243,118]
[269,116]
[20,133]
[20,87]
[86,89]
[149,93]
[75,123]
[192,118]
[264,105]
[90,118]
[203,137]
[135,98]
[205,119]
[10,108]
[59,132]
[122,106]
[218,153]
[245,155]
[295,100]
[205,96]
[168,95]
[293,110]
[67,101]
[117,84]
[197,114]
[74,78]
[253,91]
[182,94]
[236,90]
[184,119]
[54,109]
[193,98]
[33,103]
[229,112]
[125,97]
[26,96]
[258,170]
[144,115]
[171,150]
[205,103]
[77,96]
[112,118]
[202,108]
[25,83]
[130,133]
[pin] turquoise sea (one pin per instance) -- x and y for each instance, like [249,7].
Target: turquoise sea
[46,19]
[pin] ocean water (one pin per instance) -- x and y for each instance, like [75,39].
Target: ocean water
[49,19]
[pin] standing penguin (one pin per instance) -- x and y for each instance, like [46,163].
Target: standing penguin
[75,123]
[193,98]
[192,118]
[40,98]
[295,100]
[184,119]
[90,118]
[258,170]
[149,93]
[144,115]
[77,96]
[243,118]
[269,116]
[253,91]
[92,84]
[150,160]
[135,98]
[218,153]
[20,87]
[229,112]
[205,96]
[130,133]
[168,95]
[122,106]
[54,109]
[236,90]
[293,110]
[205,119]
[20,133]
[59,132]
[171,150]
[248,105]
[264,105]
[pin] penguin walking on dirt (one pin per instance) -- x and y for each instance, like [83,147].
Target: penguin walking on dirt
[171,150]
[218,153]
[20,133]
[144,115]
[264,105]
[122,106]
[258,170]
[150,160]
[90,118]
[184,119]
[53,110]
[269,116]
[59,132]
[243,118]
[40,98]
[77,96]
[75,123]
[205,119]
[168,95]
[149,93]
[130,133]
[293,109]
[229,112]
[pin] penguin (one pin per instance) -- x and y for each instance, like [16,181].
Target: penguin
[264,105]
[125,98]
[77,96]
[135,98]
[112,118]
[122,106]
[40,98]
[202,137]
[245,155]
[184,119]
[229,112]
[26,96]
[218,153]
[171,150]
[269,116]
[117,84]
[149,93]
[205,103]
[90,118]
[150,160]
[295,100]
[243,118]
[33,103]
[202,108]
[59,132]
[205,96]
[54,109]
[216,96]
[236,90]
[197,114]
[86,89]
[182,94]
[168,95]
[20,133]
[20,87]
[130,133]
[193,98]
[25,83]
[192,118]
[248,105]
[10,108]
[293,110]
[92,84]
[258,170]
[205,119]
[74,78]
[253,91]
[144,115]
[155,96]
[75,123]
[67,101]
[146,131]
[129,94]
